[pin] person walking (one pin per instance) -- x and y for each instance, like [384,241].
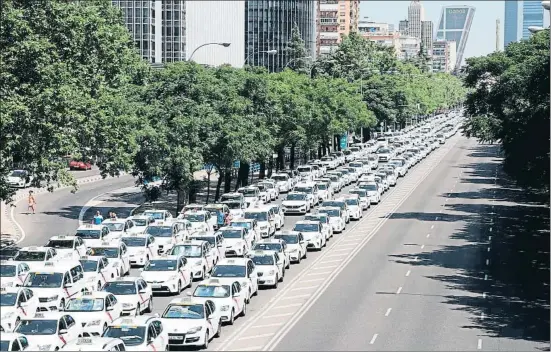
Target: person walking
[32,203]
[98,218]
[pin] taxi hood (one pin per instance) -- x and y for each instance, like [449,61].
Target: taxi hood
[181,326]
[157,275]
[293,202]
[232,242]
[44,292]
[42,340]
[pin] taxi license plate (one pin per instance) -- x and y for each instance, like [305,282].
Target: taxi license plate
[156,285]
[176,337]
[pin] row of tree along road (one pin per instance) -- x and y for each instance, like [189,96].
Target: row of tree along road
[72,83]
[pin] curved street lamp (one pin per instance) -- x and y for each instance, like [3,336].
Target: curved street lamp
[295,59]
[269,52]
[225,45]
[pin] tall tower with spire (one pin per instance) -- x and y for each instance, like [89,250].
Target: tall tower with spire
[416,15]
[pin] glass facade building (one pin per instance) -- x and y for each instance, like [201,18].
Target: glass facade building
[532,15]
[268,25]
[519,15]
[513,17]
[455,25]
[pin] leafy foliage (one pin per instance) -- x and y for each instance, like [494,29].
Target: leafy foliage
[509,103]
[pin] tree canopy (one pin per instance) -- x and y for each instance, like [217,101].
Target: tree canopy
[509,103]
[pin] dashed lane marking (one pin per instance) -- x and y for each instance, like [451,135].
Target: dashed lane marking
[388,312]
[373,339]
[399,290]
[256,336]
[409,272]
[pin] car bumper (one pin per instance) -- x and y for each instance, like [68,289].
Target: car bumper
[94,330]
[137,260]
[167,286]
[48,306]
[197,272]
[337,227]
[314,244]
[266,280]
[232,252]
[294,256]
[181,339]
[294,210]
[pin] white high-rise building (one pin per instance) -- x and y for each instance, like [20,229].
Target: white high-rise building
[416,15]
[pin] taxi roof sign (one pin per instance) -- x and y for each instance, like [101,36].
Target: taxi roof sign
[48,264]
[39,315]
[87,293]
[61,236]
[84,341]
[127,321]
[214,281]
[33,248]
[83,257]
[88,226]
[105,243]
[2,289]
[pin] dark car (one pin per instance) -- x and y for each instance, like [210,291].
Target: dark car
[7,253]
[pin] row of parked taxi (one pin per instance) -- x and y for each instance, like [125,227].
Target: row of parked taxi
[74,292]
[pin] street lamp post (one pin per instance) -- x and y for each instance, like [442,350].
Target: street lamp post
[269,52]
[225,45]
[295,59]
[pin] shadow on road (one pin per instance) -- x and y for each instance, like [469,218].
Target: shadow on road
[512,289]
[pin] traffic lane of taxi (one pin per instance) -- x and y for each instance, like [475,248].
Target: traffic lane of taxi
[85,173]
[58,212]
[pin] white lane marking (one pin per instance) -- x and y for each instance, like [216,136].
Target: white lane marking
[313,280]
[488,249]
[447,199]
[373,339]
[428,235]
[388,312]
[12,218]
[485,276]
[296,297]
[489,238]
[409,272]
[451,190]
[288,306]
[327,267]
[303,288]
[490,229]
[340,250]
[253,348]
[331,261]
[432,226]
[441,210]
[266,325]
[322,273]
[422,247]
[416,258]
[336,255]
[483,294]
[487,261]
[277,315]
[256,336]
[479,344]
[399,290]
[481,316]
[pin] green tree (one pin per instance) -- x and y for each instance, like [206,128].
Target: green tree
[298,53]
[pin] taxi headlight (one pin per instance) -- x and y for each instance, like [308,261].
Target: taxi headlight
[93,322]
[53,298]
[199,262]
[194,330]
[225,308]
[271,272]
[293,250]
[44,347]
[173,277]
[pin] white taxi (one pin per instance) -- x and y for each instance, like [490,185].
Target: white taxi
[171,273]
[373,191]
[13,273]
[55,283]
[216,244]
[228,299]
[116,254]
[16,303]
[94,310]
[227,271]
[13,342]
[253,232]
[201,220]
[364,197]
[120,227]
[191,322]
[337,218]
[141,222]
[93,235]
[72,247]
[49,331]
[236,207]
[98,271]
[167,234]
[35,257]
[279,216]
[200,258]
[264,218]
[236,241]
[296,202]
[158,214]
[354,206]
[134,294]
[141,248]
[272,189]
[275,245]
[296,245]
[312,232]
[95,343]
[323,219]
[143,333]
[269,267]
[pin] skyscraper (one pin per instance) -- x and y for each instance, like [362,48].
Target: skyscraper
[427,36]
[336,19]
[532,15]
[416,15]
[519,15]
[454,25]
[403,27]
[268,26]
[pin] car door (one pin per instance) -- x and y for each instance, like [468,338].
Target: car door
[279,263]
[161,339]
[22,271]
[75,283]
[210,255]
[152,342]
[144,291]
[251,272]
[113,308]
[73,329]
[80,247]
[302,243]
[152,247]
[125,257]
[237,297]
[184,271]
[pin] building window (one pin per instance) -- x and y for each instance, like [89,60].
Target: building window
[343,28]
[342,20]
[343,13]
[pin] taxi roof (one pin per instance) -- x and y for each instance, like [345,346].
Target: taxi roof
[141,216]
[307,222]
[241,220]
[91,227]
[91,257]
[203,234]
[107,244]
[287,232]
[136,234]
[35,249]
[140,320]
[186,301]
[168,257]
[93,294]
[200,212]
[155,211]
[261,253]
[159,223]
[126,279]
[258,209]
[190,243]
[93,343]
[269,240]
[114,221]
[233,261]
[56,267]
[63,237]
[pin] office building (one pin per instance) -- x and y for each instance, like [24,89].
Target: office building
[380,33]
[443,56]
[455,25]
[519,15]
[427,36]
[268,26]
[498,34]
[403,27]
[336,18]
[532,15]
[416,15]
[409,47]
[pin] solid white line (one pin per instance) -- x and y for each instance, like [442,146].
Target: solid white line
[266,325]
[483,294]
[277,315]
[340,250]
[313,280]
[479,344]
[253,348]
[409,272]
[12,218]
[256,336]
[296,297]
[288,306]
[336,255]
[416,258]
[327,267]
[422,246]
[428,235]
[485,276]
[488,249]
[441,210]
[399,290]
[432,227]
[447,199]
[322,273]
[373,339]
[489,238]
[331,261]
[487,261]
[388,312]
[303,288]
[490,229]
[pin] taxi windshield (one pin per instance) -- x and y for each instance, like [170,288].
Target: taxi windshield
[8,299]
[84,305]
[263,260]
[157,215]
[188,250]
[4,345]
[140,222]
[322,186]
[89,266]
[108,252]
[114,226]
[289,239]
[233,205]
[304,169]
[209,239]
[361,193]
[332,212]
[131,335]
[267,246]
[194,217]
[257,215]
[296,196]
[60,244]
[26,256]
[213,291]
[319,218]
[48,280]
[37,327]
[369,187]
[372,157]
[134,241]
[233,233]
[160,265]
[351,201]
[226,197]
[332,203]
[334,178]
[275,209]
[306,227]
[280,177]
[303,189]
[191,311]
[229,271]
[120,288]
[88,234]
[7,270]
[159,231]
[248,192]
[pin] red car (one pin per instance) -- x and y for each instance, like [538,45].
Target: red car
[80,165]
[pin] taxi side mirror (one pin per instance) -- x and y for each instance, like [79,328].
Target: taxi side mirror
[142,291]
[62,331]
[237,294]
[302,242]
[109,308]
[188,293]
[68,285]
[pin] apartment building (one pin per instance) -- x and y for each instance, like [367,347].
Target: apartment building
[336,18]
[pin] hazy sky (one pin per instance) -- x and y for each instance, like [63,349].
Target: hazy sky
[482,37]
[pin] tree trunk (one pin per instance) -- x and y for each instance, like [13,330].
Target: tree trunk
[262,172]
[270,167]
[292,159]
[242,175]
[221,175]
[208,186]
[178,201]
[280,158]
[193,187]
[227,180]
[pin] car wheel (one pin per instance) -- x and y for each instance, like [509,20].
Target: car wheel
[244,311]
[61,305]
[232,317]
[104,327]
[206,344]
[137,312]
[276,283]
[99,285]
[305,254]
[288,264]
[219,330]
[179,287]
[299,257]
